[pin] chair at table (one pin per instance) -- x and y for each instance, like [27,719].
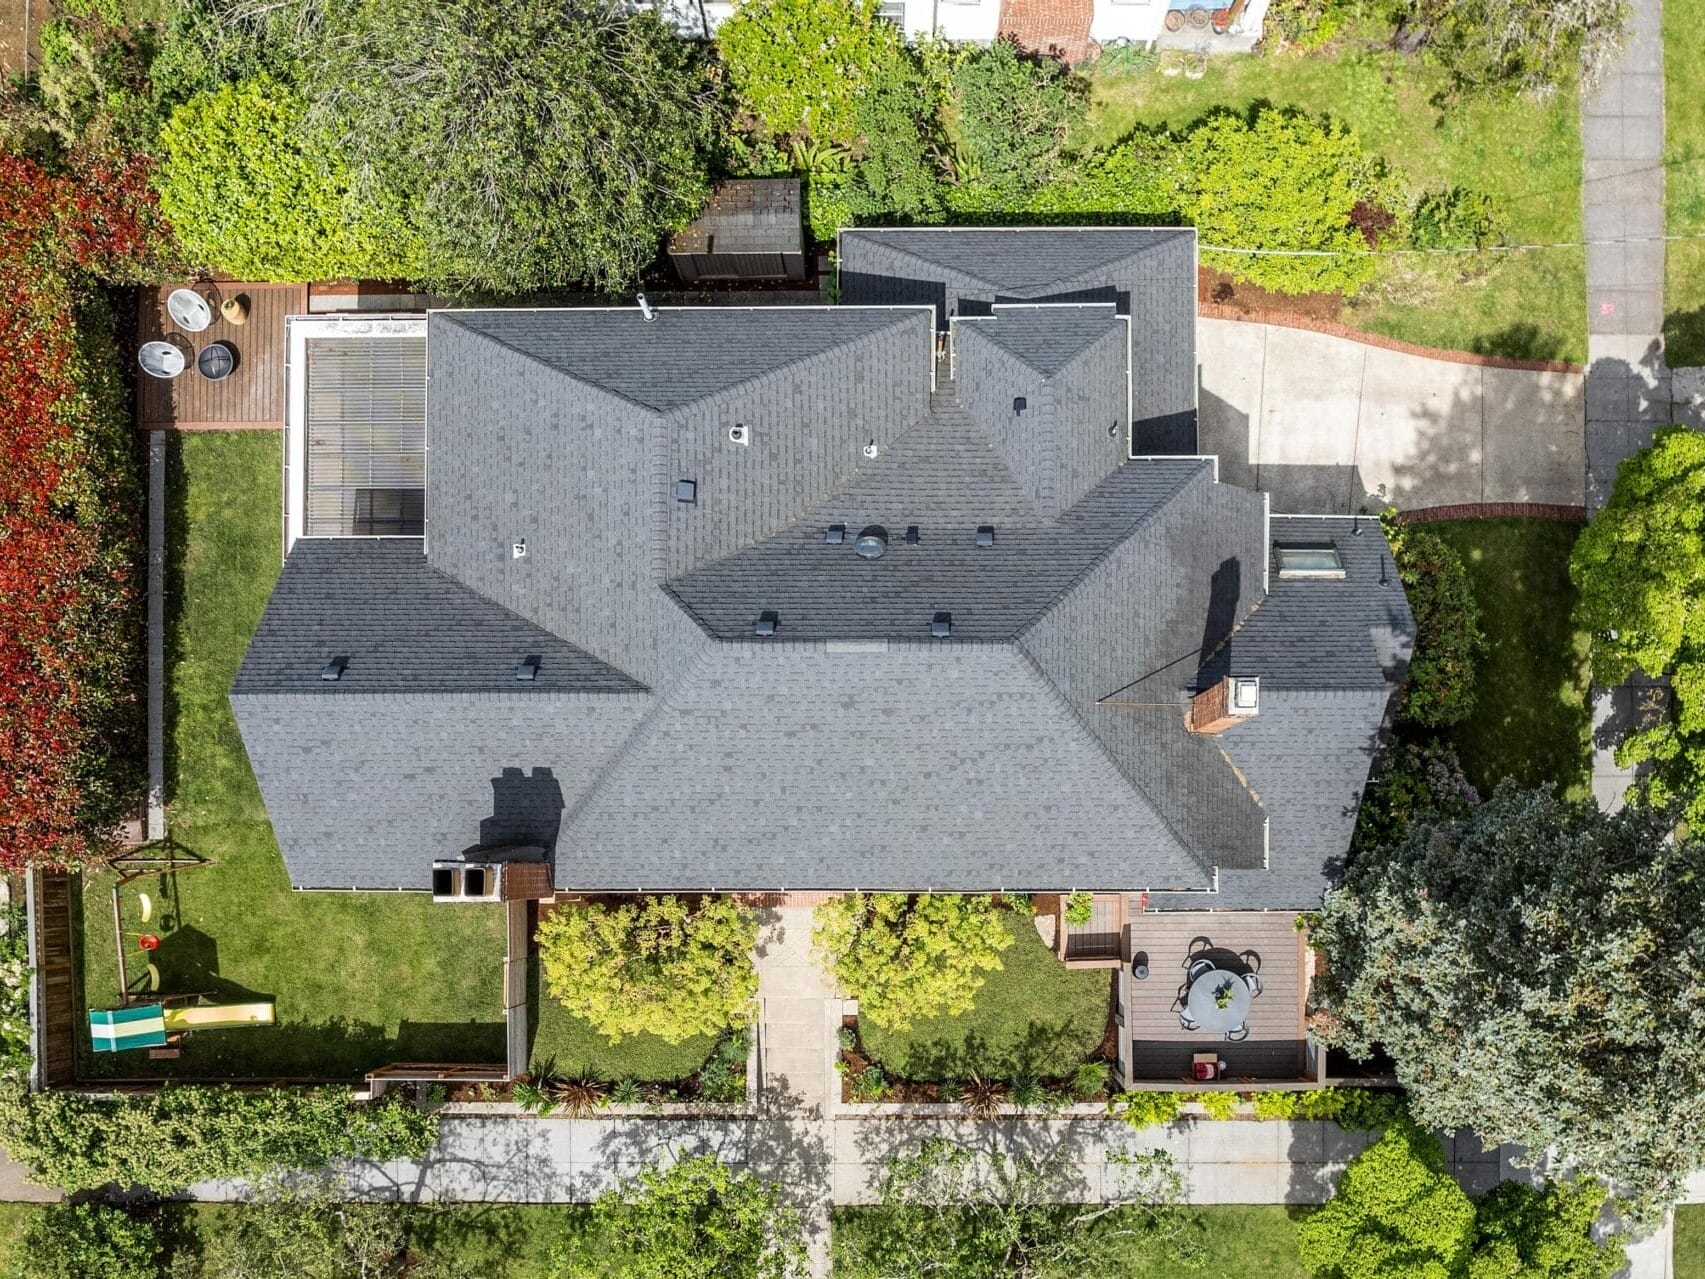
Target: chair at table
[1195,948]
[1199,967]
[1254,983]
[1239,1034]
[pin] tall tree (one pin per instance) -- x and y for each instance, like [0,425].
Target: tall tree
[538,143]
[1536,969]
[1640,570]
[1493,45]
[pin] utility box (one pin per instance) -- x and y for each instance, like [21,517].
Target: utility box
[750,230]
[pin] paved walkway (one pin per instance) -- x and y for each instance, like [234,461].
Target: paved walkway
[1321,422]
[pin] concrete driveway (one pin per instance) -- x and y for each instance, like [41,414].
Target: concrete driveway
[1320,422]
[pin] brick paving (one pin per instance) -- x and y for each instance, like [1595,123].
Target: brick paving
[1054,28]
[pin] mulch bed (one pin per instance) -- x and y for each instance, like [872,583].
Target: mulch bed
[1236,299]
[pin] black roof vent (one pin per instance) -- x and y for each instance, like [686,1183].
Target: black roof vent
[872,542]
[686,490]
[529,668]
[941,625]
[1019,404]
[911,535]
[986,535]
[334,668]
[766,623]
[836,534]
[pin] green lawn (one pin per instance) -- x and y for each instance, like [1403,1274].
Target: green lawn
[359,979]
[1531,719]
[1035,1016]
[1684,177]
[1526,155]
[580,1052]
[1689,1255]
[1234,1240]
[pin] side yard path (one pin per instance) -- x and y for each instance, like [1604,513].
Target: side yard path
[1321,422]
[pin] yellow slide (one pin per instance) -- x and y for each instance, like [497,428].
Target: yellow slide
[218,1017]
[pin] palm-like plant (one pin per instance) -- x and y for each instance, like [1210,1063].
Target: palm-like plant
[982,1098]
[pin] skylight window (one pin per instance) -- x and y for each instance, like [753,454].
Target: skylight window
[686,490]
[1317,560]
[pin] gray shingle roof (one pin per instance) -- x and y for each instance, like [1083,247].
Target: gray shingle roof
[1148,272]
[665,745]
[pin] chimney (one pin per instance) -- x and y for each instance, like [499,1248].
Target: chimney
[1230,701]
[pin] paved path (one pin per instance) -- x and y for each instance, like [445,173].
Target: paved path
[1320,422]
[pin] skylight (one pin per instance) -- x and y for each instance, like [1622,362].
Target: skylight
[1317,559]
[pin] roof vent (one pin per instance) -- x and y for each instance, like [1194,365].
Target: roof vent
[334,668]
[872,542]
[835,534]
[1228,701]
[941,625]
[911,535]
[986,535]
[518,551]
[870,449]
[645,308]
[766,625]
[1019,404]
[737,434]
[687,491]
[529,668]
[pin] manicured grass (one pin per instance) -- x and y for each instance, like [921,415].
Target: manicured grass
[1035,1016]
[1684,178]
[15,1218]
[1527,156]
[359,980]
[1689,1254]
[1233,1239]
[580,1052]
[1531,719]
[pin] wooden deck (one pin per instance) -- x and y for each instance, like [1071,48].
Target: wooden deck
[1161,1048]
[253,396]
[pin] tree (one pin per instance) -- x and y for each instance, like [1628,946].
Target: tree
[1413,781]
[894,174]
[252,189]
[66,1242]
[1397,1214]
[694,1220]
[1493,45]
[1640,570]
[1533,970]
[800,67]
[997,1213]
[1013,110]
[535,143]
[905,958]
[1439,690]
[309,1231]
[656,966]
[1281,180]
[1523,1233]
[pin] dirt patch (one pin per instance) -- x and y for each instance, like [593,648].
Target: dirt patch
[1236,299]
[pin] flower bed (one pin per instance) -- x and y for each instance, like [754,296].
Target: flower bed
[863,1081]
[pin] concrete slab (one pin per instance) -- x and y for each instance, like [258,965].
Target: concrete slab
[1421,438]
[1534,443]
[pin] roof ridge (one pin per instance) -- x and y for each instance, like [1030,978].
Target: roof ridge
[543,363]
[989,333]
[1202,467]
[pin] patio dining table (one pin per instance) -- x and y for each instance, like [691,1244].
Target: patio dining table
[1204,1000]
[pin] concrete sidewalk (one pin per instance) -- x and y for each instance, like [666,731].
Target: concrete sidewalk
[1320,422]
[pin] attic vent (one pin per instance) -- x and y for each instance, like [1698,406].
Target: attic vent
[870,449]
[1019,404]
[766,624]
[872,542]
[686,491]
[941,625]
[529,668]
[986,535]
[519,550]
[911,535]
[334,668]
[835,534]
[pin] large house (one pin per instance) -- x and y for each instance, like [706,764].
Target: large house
[925,590]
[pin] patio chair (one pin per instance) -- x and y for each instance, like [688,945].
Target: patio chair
[1200,966]
[1238,1035]
[1196,947]
[1187,1022]
[1251,960]
[1254,983]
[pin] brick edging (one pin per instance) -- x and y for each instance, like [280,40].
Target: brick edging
[1493,511]
[1292,320]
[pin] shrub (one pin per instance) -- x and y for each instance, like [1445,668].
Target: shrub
[15,1047]
[1089,1080]
[1215,1105]
[1456,218]
[1397,1211]
[309,1232]
[654,966]
[1145,1109]
[1363,1109]
[910,957]
[829,201]
[1080,908]
[1137,181]
[182,1134]
[870,1084]
[1523,1233]
[65,1242]
[1439,690]
[723,1077]
[254,189]
[1012,110]
[1413,781]
[893,176]
[800,67]
[1281,180]
[1310,24]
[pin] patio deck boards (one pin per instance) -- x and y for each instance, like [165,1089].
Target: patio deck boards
[1161,1048]
[253,396]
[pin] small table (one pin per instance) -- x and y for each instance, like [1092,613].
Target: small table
[1203,1002]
